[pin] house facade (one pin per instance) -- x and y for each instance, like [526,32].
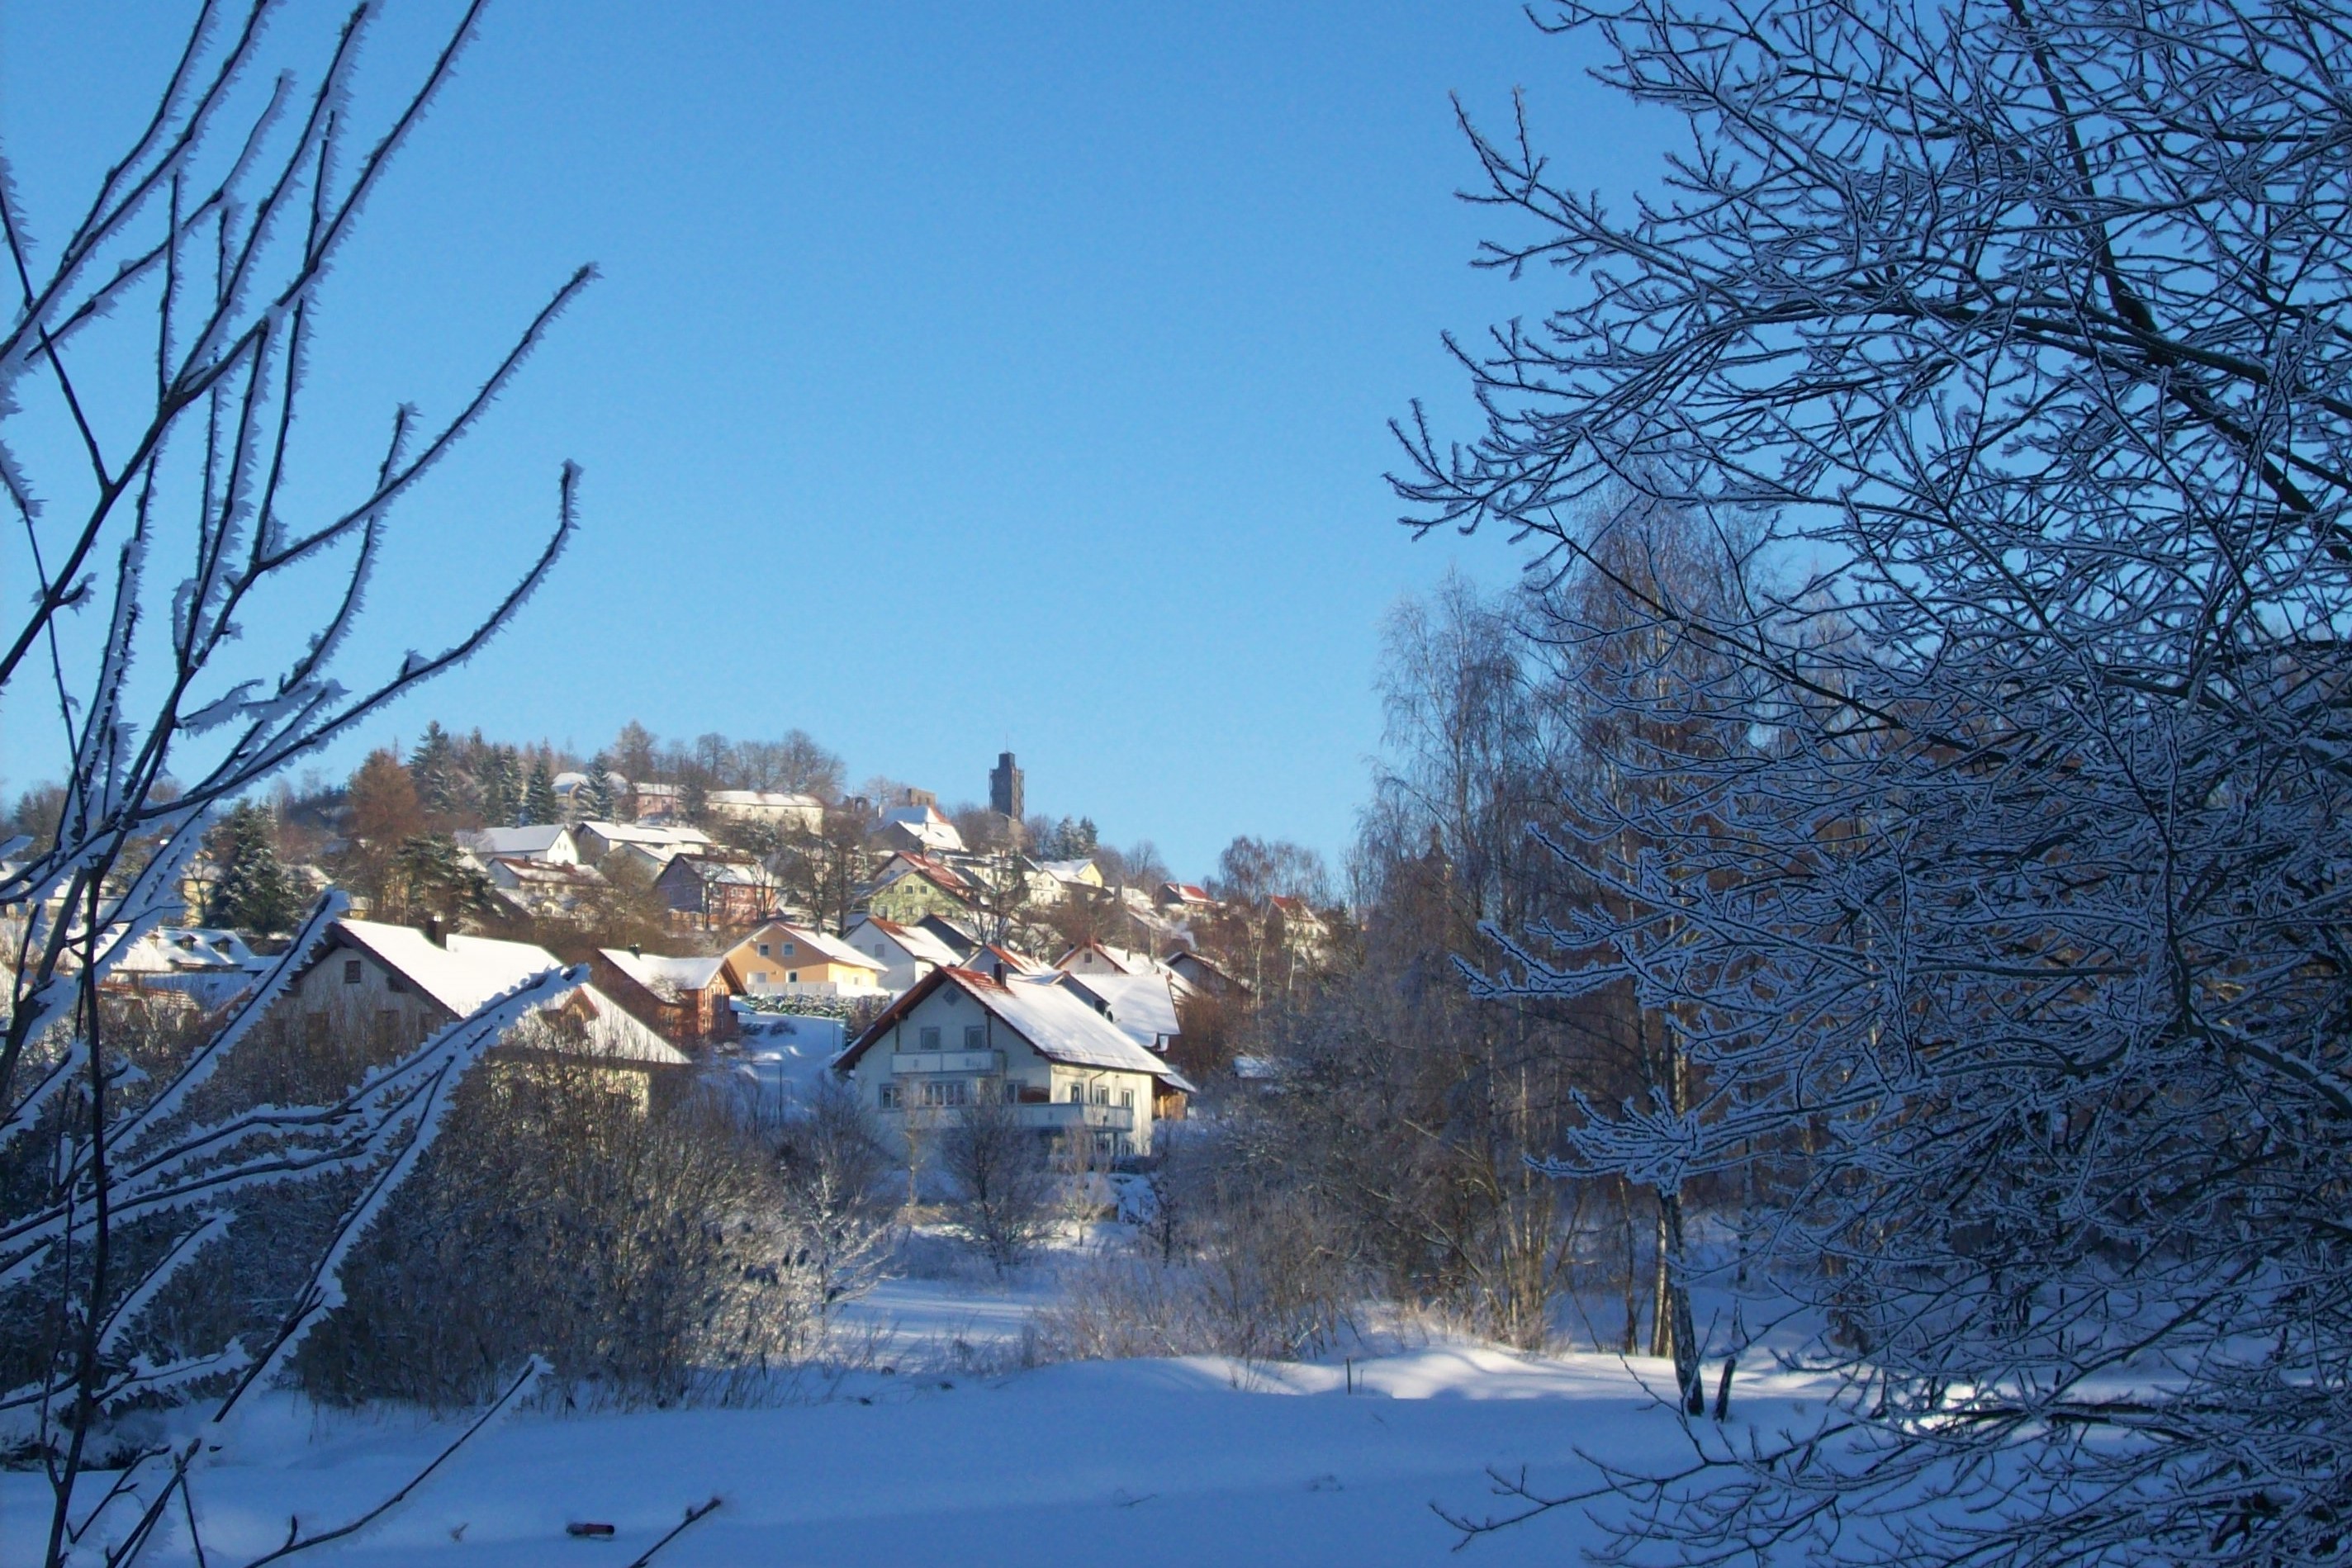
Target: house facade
[909,887]
[392,986]
[683,999]
[708,892]
[785,959]
[906,953]
[961,1039]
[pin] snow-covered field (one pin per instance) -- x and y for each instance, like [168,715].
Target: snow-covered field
[1192,1462]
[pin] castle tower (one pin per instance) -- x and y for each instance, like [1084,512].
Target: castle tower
[1005,788]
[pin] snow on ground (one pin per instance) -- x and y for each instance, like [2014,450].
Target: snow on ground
[928,1451]
[1192,1462]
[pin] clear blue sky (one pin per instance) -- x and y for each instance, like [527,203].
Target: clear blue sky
[963,376]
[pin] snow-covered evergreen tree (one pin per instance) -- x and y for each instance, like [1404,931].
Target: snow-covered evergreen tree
[539,802]
[254,891]
[433,765]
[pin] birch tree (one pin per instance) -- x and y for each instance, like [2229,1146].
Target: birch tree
[2010,958]
[148,538]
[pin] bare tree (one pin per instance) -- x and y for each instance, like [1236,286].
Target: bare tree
[2008,959]
[204,252]
[1002,1180]
[839,1221]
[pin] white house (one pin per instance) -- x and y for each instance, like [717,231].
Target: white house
[789,813]
[919,828]
[549,841]
[211,968]
[652,844]
[906,953]
[401,984]
[961,1039]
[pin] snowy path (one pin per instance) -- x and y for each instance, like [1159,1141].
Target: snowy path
[1190,1462]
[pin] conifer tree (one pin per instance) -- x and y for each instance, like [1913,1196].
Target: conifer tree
[433,766]
[539,803]
[253,892]
[502,785]
[594,801]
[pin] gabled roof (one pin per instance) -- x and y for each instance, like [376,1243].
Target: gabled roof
[1183,893]
[1177,961]
[667,977]
[459,976]
[990,954]
[650,834]
[728,871]
[908,863]
[833,949]
[1057,1023]
[530,842]
[1118,959]
[1142,1005]
[472,970]
[768,800]
[913,940]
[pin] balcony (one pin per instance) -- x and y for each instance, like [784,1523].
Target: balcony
[1062,1115]
[979,1063]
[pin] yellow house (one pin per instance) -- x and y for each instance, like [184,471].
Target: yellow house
[778,956]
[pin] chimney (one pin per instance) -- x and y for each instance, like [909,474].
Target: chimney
[434,931]
[636,950]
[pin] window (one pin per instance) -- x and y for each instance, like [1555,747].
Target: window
[889,1097]
[791,977]
[1127,1098]
[759,977]
[931,1037]
[947,1092]
[789,949]
[1078,1093]
[764,949]
[351,972]
[395,983]
[975,1037]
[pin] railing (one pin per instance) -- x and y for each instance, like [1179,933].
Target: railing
[1072,1113]
[988,1064]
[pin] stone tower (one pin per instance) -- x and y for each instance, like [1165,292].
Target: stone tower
[1005,788]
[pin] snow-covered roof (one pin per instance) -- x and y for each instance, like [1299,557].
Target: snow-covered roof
[1068,871]
[666,977]
[461,976]
[183,949]
[832,948]
[990,954]
[547,872]
[731,871]
[649,834]
[913,940]
[1057,1023]
[1183,892]
[531,843]
[470,971]
[764,800]
[1143,1006]
[903,865]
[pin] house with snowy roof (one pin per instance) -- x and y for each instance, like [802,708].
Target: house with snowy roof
[1184,897]
[1205,975]
[717,893]
[549,841]
[919,828]
[683,999]
[389,986]
[208,968]
[1143,1006]
[782,959]
[528,889]
[910,886]
[652,843]
[786,813]
[906,953]
[963,1039]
